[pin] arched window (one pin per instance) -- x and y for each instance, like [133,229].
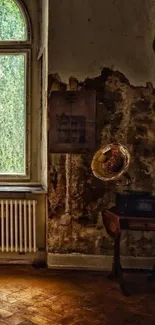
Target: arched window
[13,25]
[16,65]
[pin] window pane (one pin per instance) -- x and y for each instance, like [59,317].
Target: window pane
[12,22]
[12,113]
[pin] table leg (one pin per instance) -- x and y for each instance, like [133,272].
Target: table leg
[151,276]
[117,269]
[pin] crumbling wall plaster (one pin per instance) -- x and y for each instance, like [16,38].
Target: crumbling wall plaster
[85,36]
[125,114]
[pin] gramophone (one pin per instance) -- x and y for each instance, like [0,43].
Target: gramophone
[110,163]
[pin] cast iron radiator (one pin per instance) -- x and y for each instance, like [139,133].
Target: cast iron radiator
[18,226]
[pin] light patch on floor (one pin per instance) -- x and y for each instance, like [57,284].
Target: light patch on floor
[31,296]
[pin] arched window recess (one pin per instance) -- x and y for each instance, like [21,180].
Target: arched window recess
[16,98]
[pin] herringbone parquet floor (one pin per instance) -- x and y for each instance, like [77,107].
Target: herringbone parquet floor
[30,296]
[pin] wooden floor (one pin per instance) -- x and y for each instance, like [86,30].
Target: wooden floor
[29,296]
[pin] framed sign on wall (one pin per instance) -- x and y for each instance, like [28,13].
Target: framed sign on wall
[72,120]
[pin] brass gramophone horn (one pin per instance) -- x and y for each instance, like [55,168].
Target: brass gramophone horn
[111,162]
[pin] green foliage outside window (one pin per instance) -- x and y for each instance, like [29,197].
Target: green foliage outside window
[12,92]
[12,24]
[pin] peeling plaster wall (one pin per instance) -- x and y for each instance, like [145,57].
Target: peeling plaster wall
[83,37]
[125,114]
[87,35]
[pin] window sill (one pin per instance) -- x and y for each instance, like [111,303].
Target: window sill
[23,189]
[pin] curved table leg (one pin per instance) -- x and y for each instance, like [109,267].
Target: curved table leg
[117,269]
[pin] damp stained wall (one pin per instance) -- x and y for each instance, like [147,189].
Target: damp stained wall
[85,36]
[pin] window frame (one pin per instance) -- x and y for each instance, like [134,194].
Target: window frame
[28,46]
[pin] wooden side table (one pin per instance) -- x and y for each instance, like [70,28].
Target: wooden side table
[114,223]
